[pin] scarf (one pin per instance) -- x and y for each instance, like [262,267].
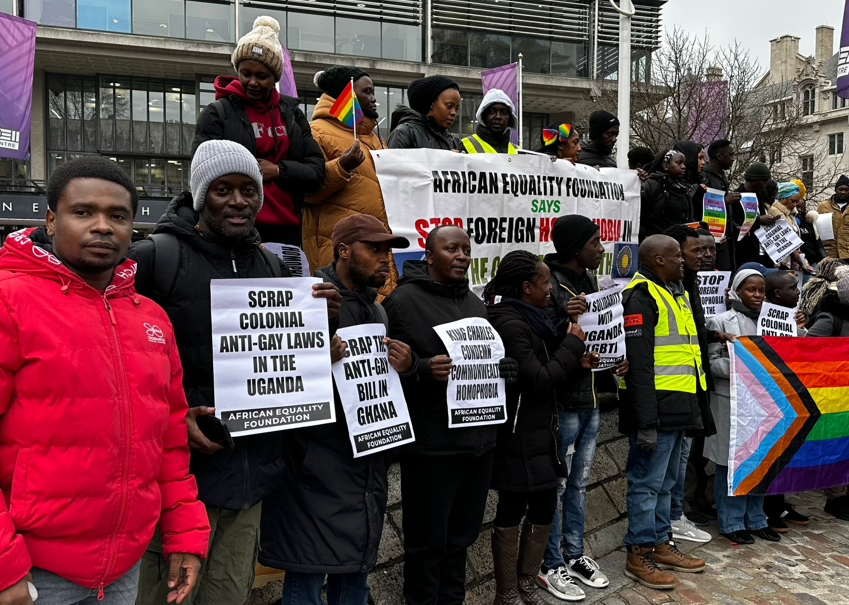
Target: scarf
[829,272]
[537,318]
[738,306]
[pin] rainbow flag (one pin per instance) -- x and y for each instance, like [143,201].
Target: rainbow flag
[346,109]
[789,415]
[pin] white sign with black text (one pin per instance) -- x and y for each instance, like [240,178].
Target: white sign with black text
[476,392]
[712,287]
[603,326]
[370,391]
[776,321]
[778,240]
[270,355]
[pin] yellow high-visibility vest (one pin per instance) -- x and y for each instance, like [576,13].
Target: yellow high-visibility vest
[475,144]
[677,356]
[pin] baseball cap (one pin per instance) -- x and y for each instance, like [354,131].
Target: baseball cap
[365,228]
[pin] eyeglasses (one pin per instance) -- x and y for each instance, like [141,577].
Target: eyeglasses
[562,133]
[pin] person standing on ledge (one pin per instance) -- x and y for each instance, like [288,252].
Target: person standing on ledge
[604,130]
[434,103]
[496,117]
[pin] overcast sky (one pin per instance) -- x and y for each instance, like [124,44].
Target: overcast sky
[756,22]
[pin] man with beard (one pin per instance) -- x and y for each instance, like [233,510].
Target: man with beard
[496,118]
[837,205]
[208,234]
[708,262]
[350,184]
[327,517]
[603,132]
[721,156]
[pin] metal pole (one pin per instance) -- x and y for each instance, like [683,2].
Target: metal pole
[623,144]
[594,41]
[428,31]
[521,56]
[238,27]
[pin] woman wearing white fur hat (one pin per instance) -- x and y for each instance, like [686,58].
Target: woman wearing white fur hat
[249,110]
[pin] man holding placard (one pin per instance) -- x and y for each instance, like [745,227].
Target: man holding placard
[208,234]
[835,208]
[445,474]
[326,519]
[751,214]
[721,155]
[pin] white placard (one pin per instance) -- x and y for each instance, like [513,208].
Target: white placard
[778,240]
[270,354]
[476,393]
[292,256]
[777,321]
[603,326]
[712,287]
[371,393]
[825,226]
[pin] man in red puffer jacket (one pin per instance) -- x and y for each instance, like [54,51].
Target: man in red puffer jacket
[93,446]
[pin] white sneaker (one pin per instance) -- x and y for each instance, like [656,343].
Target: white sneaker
[587,571]
[558,583]
[683,529]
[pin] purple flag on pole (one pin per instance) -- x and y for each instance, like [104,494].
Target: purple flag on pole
[708,111]
[17,58]
[505,78]
[843,59]
[286,85]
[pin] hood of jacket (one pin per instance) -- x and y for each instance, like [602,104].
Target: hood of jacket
[496,96]
[322,112]
[691,152]
[415,271]
[226,86]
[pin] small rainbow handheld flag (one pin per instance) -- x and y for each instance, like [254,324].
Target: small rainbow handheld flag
[346,109]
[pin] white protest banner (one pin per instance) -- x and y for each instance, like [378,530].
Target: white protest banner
[603,326]
[749,201]
[270,355]
[778,240]
[825,226]
[504,202]
[370,391]
[712,286]
[776,321]
[476,393]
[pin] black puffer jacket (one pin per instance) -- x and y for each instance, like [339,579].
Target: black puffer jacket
[691,285]
[664,202]
[231,480]
[591,157]
[526,458]
[327,516]
[414,308]
[303,169]
[716,179]
[412,130]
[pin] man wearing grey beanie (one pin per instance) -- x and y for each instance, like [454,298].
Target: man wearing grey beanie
[208,234]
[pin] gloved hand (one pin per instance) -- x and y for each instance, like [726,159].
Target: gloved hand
[508,369]
[647,440]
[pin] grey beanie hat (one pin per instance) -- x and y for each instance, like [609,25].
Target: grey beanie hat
[213,159]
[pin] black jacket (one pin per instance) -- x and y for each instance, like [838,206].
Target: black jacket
[303,169]
[412,130]
[414,308]
[724,252]
[237,479]
[591,157]
[526,457]
[641,406]
[664,202]
[748,249]
[691,286]
[580,391]
[327,516]
[812,246]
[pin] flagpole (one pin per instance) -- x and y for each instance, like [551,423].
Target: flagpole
[353,108]
[521,56]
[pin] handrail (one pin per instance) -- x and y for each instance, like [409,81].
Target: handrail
[620,11]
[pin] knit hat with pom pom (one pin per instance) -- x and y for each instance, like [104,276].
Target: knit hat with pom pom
[261,44]
[335,78]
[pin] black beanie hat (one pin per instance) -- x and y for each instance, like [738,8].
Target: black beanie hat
[334,79]
[843,180]
[570,233]
[757,171]
[423,92]
[600,122]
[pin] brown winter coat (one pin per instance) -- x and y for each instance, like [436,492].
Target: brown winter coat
[839,247]
[342,194]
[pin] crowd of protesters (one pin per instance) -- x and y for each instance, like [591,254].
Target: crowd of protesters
[114,487]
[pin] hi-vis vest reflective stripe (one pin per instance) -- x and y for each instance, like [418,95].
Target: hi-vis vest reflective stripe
[677,357]
[475,144]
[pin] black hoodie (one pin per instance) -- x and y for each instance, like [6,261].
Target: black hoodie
[592,157]
[664,202]
[501,143]
[238,479]
[412,130]
[417,305]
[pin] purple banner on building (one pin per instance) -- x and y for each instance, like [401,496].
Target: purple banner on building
[505,78]
[17,58]
[843,58]
[708,111]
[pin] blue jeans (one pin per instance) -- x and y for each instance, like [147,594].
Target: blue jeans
[736,512]
[55,590]
[342,588]
[576,441]
[651,477]
[677,508]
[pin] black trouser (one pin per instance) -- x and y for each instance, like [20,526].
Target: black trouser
[443,500]
[695,484]
[513,505]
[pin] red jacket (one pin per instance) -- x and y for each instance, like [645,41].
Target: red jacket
[93,442]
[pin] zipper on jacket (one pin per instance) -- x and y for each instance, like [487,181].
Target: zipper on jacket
[592,386]
[100,594]
[233,260]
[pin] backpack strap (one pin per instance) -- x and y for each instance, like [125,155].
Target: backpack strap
[166,263]
[383,316]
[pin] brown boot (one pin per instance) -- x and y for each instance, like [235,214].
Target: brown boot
[531,551]
[640,566]
[667,556]
[505,554]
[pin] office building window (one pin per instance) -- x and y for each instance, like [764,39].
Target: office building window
[402,42]
[311,32]
[532,125]
[808,101]
[105,15]
[71,113]
[536,54]
[159,18]
[835,144]
[488,50]
[808,171]
[248,14]
[467,121]
[13,172]
[6,6]
[450,46]
[357,37]
[212,21]
[569,59]
[837,101]
[388,99]
[61,13]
